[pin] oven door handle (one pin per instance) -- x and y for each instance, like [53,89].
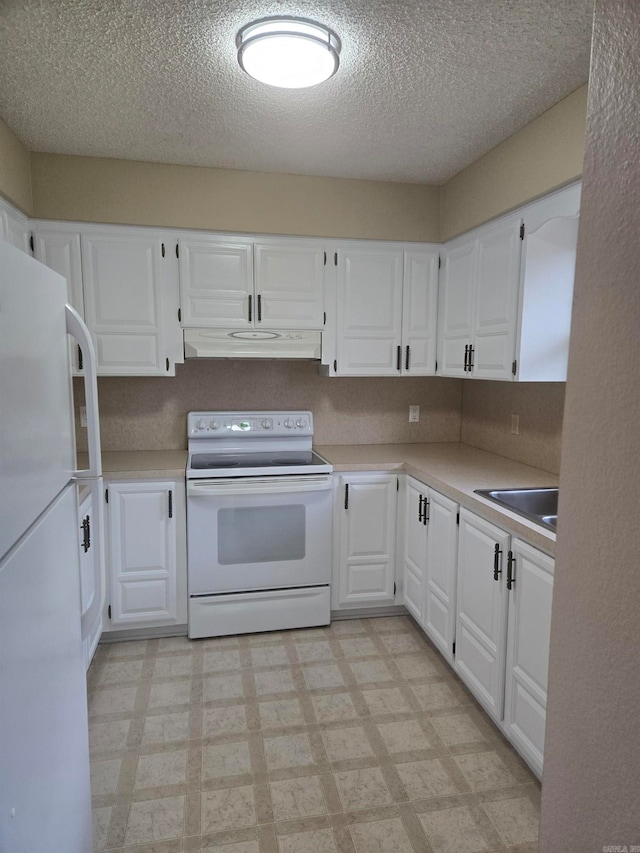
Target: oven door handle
[257,485]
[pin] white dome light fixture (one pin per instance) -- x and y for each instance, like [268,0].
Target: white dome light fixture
[292,53]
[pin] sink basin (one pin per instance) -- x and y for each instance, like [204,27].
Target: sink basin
[539,505]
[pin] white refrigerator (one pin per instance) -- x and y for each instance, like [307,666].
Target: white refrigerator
[45,795]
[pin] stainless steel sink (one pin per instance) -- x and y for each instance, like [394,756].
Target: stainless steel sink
[539,505]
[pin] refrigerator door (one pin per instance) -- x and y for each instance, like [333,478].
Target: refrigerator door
[37,447]
[45,794]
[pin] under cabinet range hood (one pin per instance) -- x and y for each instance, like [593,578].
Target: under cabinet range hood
[251,343]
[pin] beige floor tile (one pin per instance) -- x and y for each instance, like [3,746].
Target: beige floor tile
[386,701]
[112,700]
[104,776]
[422,779]
[347,626]
[109,735]
[121,671]
[323,677]
[399,644]
[453,831]
[436,696]
[415,666]
[345,744]
[162,768]
[176,644]
[381,836]
[334,707]
[404,736]
[155,820]
[172,665]
[390,624]
[361,789]
[274,681]
[228,719]
[456,729]
[221,660]
[317,650]
[297,798]
[287,751]
[217,687]
[226,759]
[358,648]
[370,671]
[128,649]
[166,728]
[516,820]
[228,808]
[314,841]
[237,847]
[269,656]
[484,771]
[101,818]
[280,713]
[170,694]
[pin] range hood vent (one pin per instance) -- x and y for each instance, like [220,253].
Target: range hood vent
[251,343]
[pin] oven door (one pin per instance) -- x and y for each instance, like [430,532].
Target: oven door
[251,533]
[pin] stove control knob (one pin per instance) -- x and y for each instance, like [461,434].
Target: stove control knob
[199,424]
[301,423]
[214,425]
[288,423]
[267,424]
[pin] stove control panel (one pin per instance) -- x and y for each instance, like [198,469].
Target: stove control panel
[250,424]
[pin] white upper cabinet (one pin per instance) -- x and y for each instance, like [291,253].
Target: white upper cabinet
[216,282]
[289,283]
[506,292]
[386,311]
[234,283]
[126,296]
[479,302]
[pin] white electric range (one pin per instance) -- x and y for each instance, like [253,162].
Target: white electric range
[258,523]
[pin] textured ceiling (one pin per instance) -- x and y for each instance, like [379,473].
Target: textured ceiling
[423,89]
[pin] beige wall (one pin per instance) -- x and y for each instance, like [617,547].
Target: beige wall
[591,785]
[544,155]
[486,420]
[15,170]
[100,190]
[150,413]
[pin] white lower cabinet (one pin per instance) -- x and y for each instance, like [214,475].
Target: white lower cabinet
[91,570]
[431,541]
[365,546]
[146,554]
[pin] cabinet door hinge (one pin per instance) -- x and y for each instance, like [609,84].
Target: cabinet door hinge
[179,315]
[436,365]
[454,648]
[394,589]
[514,367]
[109,611]
[522,231]
[335,365]
[162,250]
[167,363]
[457,518]
[177,250]
[106,495]
[32,244]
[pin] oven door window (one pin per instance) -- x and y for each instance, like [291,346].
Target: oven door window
[261,534]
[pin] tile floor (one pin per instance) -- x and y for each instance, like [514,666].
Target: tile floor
[356,737]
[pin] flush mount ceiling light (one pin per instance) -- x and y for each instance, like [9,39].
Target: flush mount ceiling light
[292,53]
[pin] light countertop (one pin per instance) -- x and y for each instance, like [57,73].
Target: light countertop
[455,470]
[141,464]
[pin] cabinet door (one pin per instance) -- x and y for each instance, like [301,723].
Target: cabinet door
[91,577]
[367,506]
[60,251]
[123,284]
[415,548]
[440,587]
[369,312]
[142,552]
[481,611]
[289,281]
[456,305]
[216,283]
[496,311]
[419,313]
[528,651]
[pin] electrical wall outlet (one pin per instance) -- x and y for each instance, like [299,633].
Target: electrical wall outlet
[83,416]
[515,424]
[414,414]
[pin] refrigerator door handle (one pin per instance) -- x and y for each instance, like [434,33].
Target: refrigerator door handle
[78,330]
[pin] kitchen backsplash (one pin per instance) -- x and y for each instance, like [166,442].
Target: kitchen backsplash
[138,413]
[486,420]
